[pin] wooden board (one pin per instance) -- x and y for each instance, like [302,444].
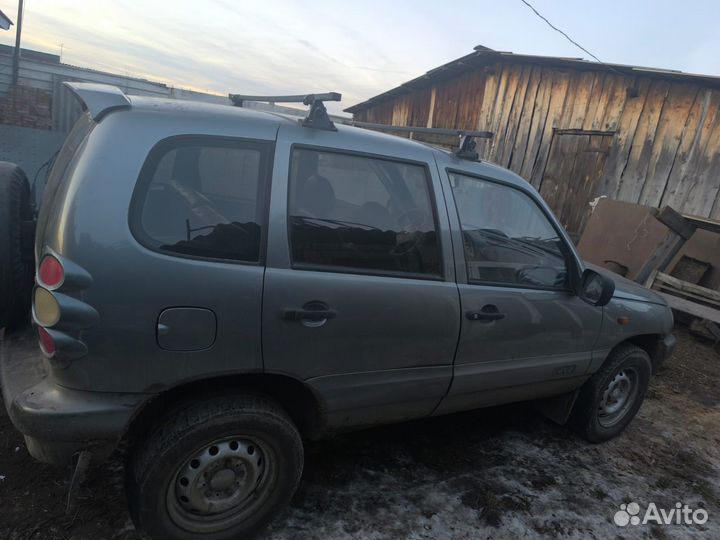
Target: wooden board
[526,115]
[687,287]
[702,199]
[588,170]
[678,185]
[622,145]
[500,143]
[560,166]
[691,308]
[673,121]
[508,143]
[572,173]
[703,223]
[537,124]
[597,102]
[559,94]
[490,92]
[635,171]
[666,147]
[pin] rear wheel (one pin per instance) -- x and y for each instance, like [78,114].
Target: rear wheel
[217,469]
[612,397]
[16,262]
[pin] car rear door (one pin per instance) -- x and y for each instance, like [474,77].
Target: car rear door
[525,333]
[360,300]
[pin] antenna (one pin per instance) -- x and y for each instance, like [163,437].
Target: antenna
[317,117]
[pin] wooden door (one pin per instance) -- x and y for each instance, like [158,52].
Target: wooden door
[572,174]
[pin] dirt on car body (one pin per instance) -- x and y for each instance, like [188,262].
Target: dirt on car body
[494,473]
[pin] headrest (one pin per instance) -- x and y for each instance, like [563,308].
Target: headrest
[316,196]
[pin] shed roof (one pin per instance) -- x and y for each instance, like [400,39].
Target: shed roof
[482,56]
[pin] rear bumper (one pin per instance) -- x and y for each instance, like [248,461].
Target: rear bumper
[58,422]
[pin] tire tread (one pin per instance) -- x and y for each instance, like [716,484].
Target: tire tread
[185,417]
[584,411]
[16,275]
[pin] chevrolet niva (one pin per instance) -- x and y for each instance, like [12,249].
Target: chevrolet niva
[212,285]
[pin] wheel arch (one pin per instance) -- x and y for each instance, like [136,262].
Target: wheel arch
[650,343]
[303,406]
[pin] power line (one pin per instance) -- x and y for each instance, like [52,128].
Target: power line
[551,25]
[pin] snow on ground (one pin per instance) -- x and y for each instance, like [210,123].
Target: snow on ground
[503,472]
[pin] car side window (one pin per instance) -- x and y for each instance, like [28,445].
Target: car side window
[361,213]
[203,197]
[507,238]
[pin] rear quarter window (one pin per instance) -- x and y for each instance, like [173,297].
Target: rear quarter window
[203,197]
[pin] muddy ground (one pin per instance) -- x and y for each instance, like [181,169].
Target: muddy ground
[498,473]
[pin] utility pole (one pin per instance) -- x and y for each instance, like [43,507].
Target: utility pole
[18,32]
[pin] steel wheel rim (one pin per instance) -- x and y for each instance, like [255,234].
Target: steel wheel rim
[618,397]
[221,484]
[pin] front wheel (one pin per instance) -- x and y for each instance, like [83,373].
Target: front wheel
[220,469]
[610,399]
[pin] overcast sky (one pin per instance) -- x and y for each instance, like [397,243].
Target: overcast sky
[360,47]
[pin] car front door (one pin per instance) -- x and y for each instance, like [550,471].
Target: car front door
[360,300]
[525,333]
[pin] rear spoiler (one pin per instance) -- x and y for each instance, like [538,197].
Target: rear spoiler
[99,99]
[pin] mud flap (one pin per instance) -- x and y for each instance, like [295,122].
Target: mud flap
[78,478]
[557,408]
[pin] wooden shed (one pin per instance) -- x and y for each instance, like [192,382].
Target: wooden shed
[576,129]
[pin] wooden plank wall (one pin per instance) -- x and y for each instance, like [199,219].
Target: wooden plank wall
[665,149]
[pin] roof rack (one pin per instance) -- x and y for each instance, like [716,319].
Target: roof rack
[466,149]
[317,117]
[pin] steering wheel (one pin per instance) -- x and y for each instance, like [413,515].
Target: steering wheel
[415,220]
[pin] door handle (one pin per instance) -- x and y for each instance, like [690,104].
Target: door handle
[311,312]
[308,314]
[488,312]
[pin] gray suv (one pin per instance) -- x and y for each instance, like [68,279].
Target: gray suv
[214,285]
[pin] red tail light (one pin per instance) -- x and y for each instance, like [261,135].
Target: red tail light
[51,273]
[47,343]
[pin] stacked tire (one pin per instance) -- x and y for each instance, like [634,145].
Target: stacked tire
[16,260]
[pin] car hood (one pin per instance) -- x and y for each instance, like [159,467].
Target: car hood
[628,290]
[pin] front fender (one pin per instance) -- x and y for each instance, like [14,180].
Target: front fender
[624,319]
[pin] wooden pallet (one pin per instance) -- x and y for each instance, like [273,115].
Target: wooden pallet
[689,298]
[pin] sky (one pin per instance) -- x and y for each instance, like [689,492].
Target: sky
[360,48]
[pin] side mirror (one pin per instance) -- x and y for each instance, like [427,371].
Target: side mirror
[595,288]
[542,276]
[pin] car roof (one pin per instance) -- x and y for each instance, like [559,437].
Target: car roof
[100,99]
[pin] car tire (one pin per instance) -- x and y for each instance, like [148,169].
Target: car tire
[220,468]
[16,268]
[611,398]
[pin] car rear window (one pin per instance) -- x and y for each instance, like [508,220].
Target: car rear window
[203,197]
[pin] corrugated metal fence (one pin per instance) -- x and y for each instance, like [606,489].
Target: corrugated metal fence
[49,76]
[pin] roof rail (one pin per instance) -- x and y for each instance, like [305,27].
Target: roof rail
[317,117]
[466,149]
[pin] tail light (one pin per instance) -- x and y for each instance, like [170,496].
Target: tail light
[57,311]
[47,309]
[47,343]
[51,273]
